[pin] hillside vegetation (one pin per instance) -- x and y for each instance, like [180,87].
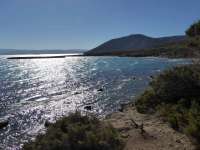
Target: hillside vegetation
[188,48]
[184,49]
[132,44]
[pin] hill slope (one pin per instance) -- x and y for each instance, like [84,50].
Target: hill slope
[132,43]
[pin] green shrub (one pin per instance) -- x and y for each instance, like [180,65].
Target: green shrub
[175,114]
[177,83]
[175,95]
[173,120]
[194,29]
[193,128]
[77,132]
[147,101]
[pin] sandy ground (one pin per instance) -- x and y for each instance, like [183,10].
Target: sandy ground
[157,134]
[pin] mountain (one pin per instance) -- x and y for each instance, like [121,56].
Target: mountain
[132,43]
[45,51]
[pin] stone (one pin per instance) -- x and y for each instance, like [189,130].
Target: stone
[178,141]
[100,90]
[76,93]
[88,107]
[47,123]
[3,123]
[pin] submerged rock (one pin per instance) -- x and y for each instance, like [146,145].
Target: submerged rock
[76,93]
[133,78]
[89,107]
[100,90]
[47,123]
[3,123]
[151,76]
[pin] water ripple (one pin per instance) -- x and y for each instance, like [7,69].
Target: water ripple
[33,91]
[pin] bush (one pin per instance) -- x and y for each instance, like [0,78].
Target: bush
[147,101]
[175,95]
[77,132]
[193,128]
[194,29]
[173,120]
[177,83]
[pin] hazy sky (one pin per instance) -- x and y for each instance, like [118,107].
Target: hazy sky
[66,24]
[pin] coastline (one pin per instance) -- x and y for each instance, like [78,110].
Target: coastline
[163,124]
[157,135]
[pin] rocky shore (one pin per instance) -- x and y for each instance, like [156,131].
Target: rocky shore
[147,132]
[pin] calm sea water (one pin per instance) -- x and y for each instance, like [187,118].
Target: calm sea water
[35,90]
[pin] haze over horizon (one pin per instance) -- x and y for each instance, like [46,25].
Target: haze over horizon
[76,24]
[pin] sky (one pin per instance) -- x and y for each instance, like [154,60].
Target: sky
[84,24]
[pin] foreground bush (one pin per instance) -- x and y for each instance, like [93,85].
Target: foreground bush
[175,95]
[77,132]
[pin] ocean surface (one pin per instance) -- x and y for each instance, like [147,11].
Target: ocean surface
[35,90]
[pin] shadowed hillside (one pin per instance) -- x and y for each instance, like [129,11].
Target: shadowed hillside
[132,43]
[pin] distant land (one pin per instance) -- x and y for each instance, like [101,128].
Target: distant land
[139,45]
[134,44]
[44,51]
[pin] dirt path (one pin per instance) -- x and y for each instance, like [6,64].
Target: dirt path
[157,136]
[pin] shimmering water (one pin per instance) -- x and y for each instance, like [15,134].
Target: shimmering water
[35,90]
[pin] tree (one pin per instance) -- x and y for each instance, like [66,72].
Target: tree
[194,29]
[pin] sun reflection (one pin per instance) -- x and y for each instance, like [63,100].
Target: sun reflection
[48,91]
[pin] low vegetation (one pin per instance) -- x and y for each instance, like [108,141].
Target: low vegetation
[175,95]
[194,30]
[77,132]
[185,49]
[189,48]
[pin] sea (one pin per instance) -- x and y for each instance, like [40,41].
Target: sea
[33,91]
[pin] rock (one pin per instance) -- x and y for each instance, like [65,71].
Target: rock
[178,141]
[133,78]
[151,77]
[47,123]
[124,135]
[88,107]
[76,93]
[3,123]
[100,90]
[122,107]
